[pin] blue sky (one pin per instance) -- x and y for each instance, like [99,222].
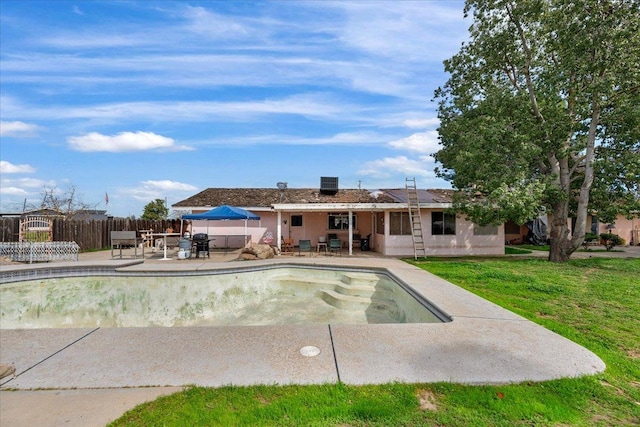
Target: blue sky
[162,99]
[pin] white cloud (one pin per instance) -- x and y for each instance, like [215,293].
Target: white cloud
[12,191]
[7,167]
[166,185]
[382,28]
[151,190]
[17,129]
[423,142]
[343,138]
[400,165]
[23,186]
[311,105]
[364,138]
[205,22]
[421,123]
[124,141]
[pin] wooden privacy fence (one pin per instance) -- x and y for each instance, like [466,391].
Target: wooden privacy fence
[89,235]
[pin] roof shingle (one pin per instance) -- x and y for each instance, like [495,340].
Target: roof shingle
[265,197]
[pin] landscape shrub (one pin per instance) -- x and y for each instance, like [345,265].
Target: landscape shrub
[589,238]
[610,240]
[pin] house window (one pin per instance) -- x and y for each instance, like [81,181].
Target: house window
[485,230]
[399,224]
[296,220]
[442,223]
[340,221]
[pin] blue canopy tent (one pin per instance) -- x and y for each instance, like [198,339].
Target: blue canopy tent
[223,213]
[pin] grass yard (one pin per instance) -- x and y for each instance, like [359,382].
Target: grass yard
[510,250]
[594,302]
[545,248]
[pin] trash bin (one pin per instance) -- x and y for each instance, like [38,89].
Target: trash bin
[364,243]
[185,244]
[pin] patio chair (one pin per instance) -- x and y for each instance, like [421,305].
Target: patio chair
[335,245]
[287,245]
[305,245]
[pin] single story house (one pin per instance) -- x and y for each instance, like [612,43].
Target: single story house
[351,215]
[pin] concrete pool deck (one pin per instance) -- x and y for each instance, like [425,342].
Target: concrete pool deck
[91,376]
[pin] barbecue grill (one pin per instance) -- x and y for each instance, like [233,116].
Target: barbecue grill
[201,244]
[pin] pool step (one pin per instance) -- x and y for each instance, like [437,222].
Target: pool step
[365,291]
[348,302]
[350,284]
[294,280]
[360,279]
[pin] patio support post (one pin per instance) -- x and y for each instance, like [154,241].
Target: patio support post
[387,229]
[350,232]
[279,231]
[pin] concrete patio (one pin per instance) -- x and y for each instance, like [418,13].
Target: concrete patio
[90,376]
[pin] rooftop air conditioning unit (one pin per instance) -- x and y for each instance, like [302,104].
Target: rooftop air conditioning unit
[328,185]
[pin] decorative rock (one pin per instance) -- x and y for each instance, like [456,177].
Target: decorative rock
[257,252]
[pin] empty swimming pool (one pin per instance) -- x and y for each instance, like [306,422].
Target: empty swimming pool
[284,295]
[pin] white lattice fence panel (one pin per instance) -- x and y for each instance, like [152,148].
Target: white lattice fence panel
[40,251]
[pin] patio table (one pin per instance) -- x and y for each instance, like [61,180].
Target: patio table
[164,237]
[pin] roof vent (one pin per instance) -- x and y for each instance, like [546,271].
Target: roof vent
[328,185]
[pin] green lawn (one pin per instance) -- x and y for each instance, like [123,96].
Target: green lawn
[511,250]
[594,302]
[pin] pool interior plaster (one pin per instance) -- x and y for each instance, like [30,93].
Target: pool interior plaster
[251,298]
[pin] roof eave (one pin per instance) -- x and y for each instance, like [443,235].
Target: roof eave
[315,207]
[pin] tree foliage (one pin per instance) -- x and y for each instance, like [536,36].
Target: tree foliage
[155,210]
[541,113]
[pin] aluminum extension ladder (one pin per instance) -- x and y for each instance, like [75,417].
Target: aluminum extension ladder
[413,204]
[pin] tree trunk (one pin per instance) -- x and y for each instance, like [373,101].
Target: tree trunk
[560,247]
[585,189]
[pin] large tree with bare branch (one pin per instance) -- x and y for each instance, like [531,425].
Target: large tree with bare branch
[541,112]
[66,202]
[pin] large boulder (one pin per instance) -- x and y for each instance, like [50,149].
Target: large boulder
[257,252]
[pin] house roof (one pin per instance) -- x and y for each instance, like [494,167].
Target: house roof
[266,197]
[399,195]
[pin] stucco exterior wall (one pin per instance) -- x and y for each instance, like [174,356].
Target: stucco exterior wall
[624,228]
[255,230]
[314,225]
[464,242]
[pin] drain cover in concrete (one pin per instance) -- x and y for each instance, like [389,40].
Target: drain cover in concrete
[309,351]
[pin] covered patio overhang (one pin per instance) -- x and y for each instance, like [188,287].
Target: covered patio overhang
[281,208]
[351,208]
[329,207]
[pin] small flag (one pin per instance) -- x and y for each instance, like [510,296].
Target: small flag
[106,198]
